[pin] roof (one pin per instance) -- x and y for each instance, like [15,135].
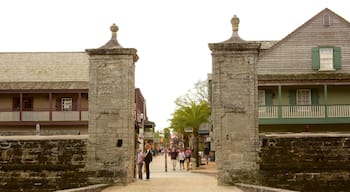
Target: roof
[306,23]
[45,67]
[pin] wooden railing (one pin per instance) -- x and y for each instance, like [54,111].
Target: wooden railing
[304,111]
[43,115]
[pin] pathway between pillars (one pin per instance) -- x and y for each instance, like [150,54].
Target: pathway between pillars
[202,180]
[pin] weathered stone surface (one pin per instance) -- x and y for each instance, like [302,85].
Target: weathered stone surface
[305,162]
[234,112]
[111,114]
[42,163]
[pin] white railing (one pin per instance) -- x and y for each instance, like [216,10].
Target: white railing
[301,111]
[338,111]
[314,111]
[266,112]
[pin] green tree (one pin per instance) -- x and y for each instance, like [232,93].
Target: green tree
[192,115]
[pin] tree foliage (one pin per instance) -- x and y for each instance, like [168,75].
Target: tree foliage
[192,111]
[198,95]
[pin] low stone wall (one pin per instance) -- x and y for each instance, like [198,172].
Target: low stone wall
[305,161]
[42,163]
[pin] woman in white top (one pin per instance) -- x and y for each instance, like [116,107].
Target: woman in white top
[182,159]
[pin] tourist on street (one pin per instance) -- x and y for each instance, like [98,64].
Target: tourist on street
[173,157]
[140,162]
[188,153]
[206,154]
[182,159]
[147,159]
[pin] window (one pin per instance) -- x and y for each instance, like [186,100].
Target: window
[261,94]
[326,58]
[27,103]
[326,20]
[67,104]
[303,97]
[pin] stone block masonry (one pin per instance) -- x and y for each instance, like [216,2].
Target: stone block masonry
[305,161]
[111,145]
[234,111]
[42,163]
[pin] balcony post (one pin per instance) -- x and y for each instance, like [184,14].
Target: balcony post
[325,92]
[50,107]
[279,101]
[79,105]
[20,105]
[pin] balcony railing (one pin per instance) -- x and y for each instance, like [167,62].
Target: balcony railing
[304,111]
[43,115]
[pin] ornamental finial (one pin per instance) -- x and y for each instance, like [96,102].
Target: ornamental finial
[235,23]
[114,28]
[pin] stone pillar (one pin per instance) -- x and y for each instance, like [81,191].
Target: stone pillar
[111,142]
[234,107]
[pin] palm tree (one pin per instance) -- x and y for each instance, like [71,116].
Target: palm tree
[191,115]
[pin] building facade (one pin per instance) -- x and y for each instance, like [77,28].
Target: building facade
[45,88]
[50,90]
[300,83]
[304,79]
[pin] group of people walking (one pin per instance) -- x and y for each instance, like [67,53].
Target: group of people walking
[144,158]
[181,156]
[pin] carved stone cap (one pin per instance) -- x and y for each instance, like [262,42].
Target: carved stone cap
[114,51]
[240,46]
[113,43]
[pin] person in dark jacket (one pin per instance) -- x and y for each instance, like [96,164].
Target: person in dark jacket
[147,159]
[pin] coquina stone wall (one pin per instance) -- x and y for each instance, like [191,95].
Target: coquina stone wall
[42,163]
[306,161]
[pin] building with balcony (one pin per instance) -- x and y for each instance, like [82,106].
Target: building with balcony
[304,79]
[49,89]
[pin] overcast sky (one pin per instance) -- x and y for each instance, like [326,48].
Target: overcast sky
[171,36]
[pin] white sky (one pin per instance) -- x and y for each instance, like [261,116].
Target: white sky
[171,36]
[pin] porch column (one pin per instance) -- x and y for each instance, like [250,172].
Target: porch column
[325,92]
[79,105]
[279,101]
[50,107]
[20,105]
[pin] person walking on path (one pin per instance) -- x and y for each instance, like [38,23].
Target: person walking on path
[173,157]
[182,159]
[139,163]
[147,159]
[188,153]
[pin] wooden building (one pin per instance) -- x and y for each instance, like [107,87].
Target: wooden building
[304,79]
[49,90]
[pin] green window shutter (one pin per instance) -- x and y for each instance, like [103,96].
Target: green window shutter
[314,97]
[292,97]
[268,97]
[315,58]
[337,57]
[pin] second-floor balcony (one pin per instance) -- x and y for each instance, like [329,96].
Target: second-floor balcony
[301,114]
[43,115]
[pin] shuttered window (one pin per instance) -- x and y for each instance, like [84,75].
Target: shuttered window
[326,58]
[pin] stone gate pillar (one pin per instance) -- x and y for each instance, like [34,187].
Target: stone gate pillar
[111,142]
[234,107]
